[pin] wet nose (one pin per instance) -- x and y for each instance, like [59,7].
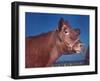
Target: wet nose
[82,46]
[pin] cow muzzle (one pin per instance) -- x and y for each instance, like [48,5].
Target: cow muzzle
[79,48]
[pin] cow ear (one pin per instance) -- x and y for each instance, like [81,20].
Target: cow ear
[77,31]
[60,24]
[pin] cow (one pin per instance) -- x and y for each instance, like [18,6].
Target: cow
[44,49]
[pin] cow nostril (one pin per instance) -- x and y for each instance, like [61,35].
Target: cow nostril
[81,45]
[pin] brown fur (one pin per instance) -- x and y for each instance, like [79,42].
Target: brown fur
[39,49]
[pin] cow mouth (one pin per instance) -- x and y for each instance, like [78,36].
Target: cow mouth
[78,51]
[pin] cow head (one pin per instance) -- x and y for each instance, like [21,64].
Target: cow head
[69,37]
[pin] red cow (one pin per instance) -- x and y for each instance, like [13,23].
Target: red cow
[43,50]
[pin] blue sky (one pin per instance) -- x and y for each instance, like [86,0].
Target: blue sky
[37,23]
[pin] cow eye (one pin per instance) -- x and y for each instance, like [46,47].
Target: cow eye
[66,32]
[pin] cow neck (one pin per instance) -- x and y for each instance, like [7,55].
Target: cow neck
[58,43]
[53,42]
